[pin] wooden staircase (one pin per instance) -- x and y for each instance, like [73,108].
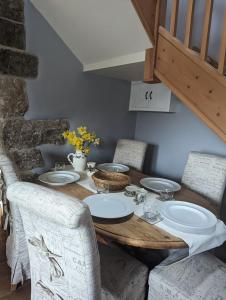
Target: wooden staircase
[190,74]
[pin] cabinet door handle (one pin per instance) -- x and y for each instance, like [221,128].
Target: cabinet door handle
[150,95]
[146,95]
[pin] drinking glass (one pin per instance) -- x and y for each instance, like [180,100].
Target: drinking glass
[59,166]
[150,210]
[166,195]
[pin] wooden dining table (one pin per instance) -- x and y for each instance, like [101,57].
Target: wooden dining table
[134,231]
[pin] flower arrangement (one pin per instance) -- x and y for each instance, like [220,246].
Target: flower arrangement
[81,139]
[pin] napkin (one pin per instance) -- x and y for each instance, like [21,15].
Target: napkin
[86,182]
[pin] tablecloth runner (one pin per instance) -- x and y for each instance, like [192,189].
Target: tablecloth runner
[197,242]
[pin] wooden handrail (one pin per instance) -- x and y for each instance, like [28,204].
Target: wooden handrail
[189,23]
[221,65]
[206,29]
[174,17]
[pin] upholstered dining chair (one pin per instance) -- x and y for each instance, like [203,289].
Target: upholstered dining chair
[16,247]
[130,153]
[202,277]
[206,174]
[64,256]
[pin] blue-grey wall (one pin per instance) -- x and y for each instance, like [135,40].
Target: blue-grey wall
[173,136]
[62,90]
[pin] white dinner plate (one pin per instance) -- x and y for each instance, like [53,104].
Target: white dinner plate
[110,206]
[188,217]
[113,167]
[58,178]
[160,184]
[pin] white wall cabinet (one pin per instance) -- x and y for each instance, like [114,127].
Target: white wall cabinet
[150,97]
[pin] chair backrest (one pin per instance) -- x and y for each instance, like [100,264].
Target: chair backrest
[61,241]
[130,153]
[16,247]
[7,169]
[206,174]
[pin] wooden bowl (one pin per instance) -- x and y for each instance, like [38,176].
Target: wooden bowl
[116,181]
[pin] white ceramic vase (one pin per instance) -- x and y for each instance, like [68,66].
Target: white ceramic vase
[78,160]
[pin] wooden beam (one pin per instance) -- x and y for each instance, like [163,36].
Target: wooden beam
[221,65]
[189,23]
[174,17]
[146,10]
[150,57]
[149,67]
[206,29]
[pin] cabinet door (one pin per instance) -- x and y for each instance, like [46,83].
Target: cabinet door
[149,97]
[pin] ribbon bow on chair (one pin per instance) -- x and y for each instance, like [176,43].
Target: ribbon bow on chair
[55,269]
[46,291]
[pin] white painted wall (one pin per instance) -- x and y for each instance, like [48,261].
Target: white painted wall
[101,33]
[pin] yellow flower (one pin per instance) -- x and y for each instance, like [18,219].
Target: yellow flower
[87,151]
[87,137]
[65,134]
[97,142]
[81,139]
[82,130]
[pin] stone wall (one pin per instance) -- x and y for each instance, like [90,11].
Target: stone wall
[19,137]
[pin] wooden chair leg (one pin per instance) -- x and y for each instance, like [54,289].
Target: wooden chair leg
[13,287]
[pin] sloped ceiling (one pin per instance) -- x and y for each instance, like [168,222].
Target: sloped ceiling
[103,34]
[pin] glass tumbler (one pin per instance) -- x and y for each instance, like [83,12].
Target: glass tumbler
[150,210]
[166,195]
[59,166]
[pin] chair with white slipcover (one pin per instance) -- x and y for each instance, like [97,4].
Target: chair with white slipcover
[64,256]
[202,276]
[16,247]
[206,175]
[130,153]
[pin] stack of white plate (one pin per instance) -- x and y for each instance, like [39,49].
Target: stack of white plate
[188,217]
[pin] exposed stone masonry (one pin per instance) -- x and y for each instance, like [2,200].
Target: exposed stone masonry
[30,133]
[12,34]
[12,9]
[17,135]
[13,97]
[18,63]
[27,159]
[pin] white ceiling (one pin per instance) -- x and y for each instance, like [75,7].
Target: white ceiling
[101,33]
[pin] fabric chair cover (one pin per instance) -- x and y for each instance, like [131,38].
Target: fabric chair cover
[63,251]
[130,153]
[202,277]
[123,276]
[16,247]
[206,174]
